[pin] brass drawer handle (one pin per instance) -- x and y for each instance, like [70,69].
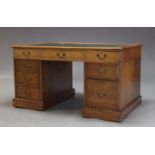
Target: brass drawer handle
[61,54]
[101,55]
[101,70]
[28,92]
[26,53]
[101,95]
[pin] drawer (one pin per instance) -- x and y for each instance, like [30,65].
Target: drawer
[30,93]
[62,55]
[32,79]
[101,85]
[102,56]
[99,94]
[102,71]
[28,66]
[23,53]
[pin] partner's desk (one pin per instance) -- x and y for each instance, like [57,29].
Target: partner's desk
[43,77]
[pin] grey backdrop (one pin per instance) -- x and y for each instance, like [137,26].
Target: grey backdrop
[12,36]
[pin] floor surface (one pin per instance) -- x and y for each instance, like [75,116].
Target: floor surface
[68,113]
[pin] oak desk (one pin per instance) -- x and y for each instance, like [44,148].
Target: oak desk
[43,77]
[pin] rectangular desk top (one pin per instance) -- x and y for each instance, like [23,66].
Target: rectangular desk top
[89,52]
[77,45]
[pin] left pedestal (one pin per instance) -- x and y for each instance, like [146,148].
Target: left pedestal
[41,84]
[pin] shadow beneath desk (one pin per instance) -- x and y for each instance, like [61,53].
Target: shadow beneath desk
[74,103]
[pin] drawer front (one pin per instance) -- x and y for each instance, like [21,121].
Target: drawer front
[30,93]
[101,85]
[101,71]
[101,56]
[28,66]
[62,55]
[99,94]
[32,79]
[25,53]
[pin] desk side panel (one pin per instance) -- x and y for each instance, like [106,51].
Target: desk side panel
[130,76]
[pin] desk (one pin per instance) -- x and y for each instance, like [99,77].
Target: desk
[43,77]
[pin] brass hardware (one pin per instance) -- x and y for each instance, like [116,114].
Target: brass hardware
[61,54]
[28,92]
[26,53]
[101,55]
[101,70]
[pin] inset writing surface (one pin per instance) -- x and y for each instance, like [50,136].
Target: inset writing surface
[79,45]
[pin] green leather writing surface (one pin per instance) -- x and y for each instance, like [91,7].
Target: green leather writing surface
[77,45]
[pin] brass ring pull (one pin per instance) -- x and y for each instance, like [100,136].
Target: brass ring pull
[61,54]
[101,55]
[26,53]
[101,95]
[101,70]
[28,92]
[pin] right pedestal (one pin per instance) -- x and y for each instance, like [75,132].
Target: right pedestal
[112,90]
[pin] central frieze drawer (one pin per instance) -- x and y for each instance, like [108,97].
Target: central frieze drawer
[62,55]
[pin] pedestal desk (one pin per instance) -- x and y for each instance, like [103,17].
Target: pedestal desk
[43,77]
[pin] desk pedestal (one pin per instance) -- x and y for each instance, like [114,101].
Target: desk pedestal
[42,84]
